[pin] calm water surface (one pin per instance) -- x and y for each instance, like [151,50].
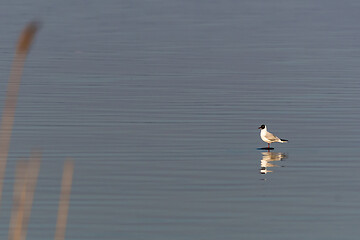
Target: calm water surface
[159,102]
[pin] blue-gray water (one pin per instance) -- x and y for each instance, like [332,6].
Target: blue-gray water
[159,102]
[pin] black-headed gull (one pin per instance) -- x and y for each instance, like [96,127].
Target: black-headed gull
[269,137]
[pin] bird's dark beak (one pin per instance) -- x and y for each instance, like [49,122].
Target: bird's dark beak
[259,127]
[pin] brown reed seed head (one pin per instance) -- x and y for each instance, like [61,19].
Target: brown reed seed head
[27,37]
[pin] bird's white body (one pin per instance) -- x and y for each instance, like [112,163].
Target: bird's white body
[268,137]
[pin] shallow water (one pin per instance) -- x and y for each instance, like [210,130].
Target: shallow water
[159,102]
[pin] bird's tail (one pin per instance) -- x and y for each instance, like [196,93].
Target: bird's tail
[283,140]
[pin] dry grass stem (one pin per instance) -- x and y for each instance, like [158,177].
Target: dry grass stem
[64,200]
[8,114]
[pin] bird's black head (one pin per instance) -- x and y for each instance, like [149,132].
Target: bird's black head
[262,127]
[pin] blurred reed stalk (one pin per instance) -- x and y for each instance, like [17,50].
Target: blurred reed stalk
[8,114]
[64,200]
[27,171]
[25,182]
[32,176]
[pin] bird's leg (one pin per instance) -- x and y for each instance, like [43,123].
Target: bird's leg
[268,145]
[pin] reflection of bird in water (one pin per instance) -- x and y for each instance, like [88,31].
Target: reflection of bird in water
[269,157]
[268,137]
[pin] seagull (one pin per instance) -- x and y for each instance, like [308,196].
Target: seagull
[269,137]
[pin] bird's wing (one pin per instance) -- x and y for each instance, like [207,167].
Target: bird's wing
[271,137]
